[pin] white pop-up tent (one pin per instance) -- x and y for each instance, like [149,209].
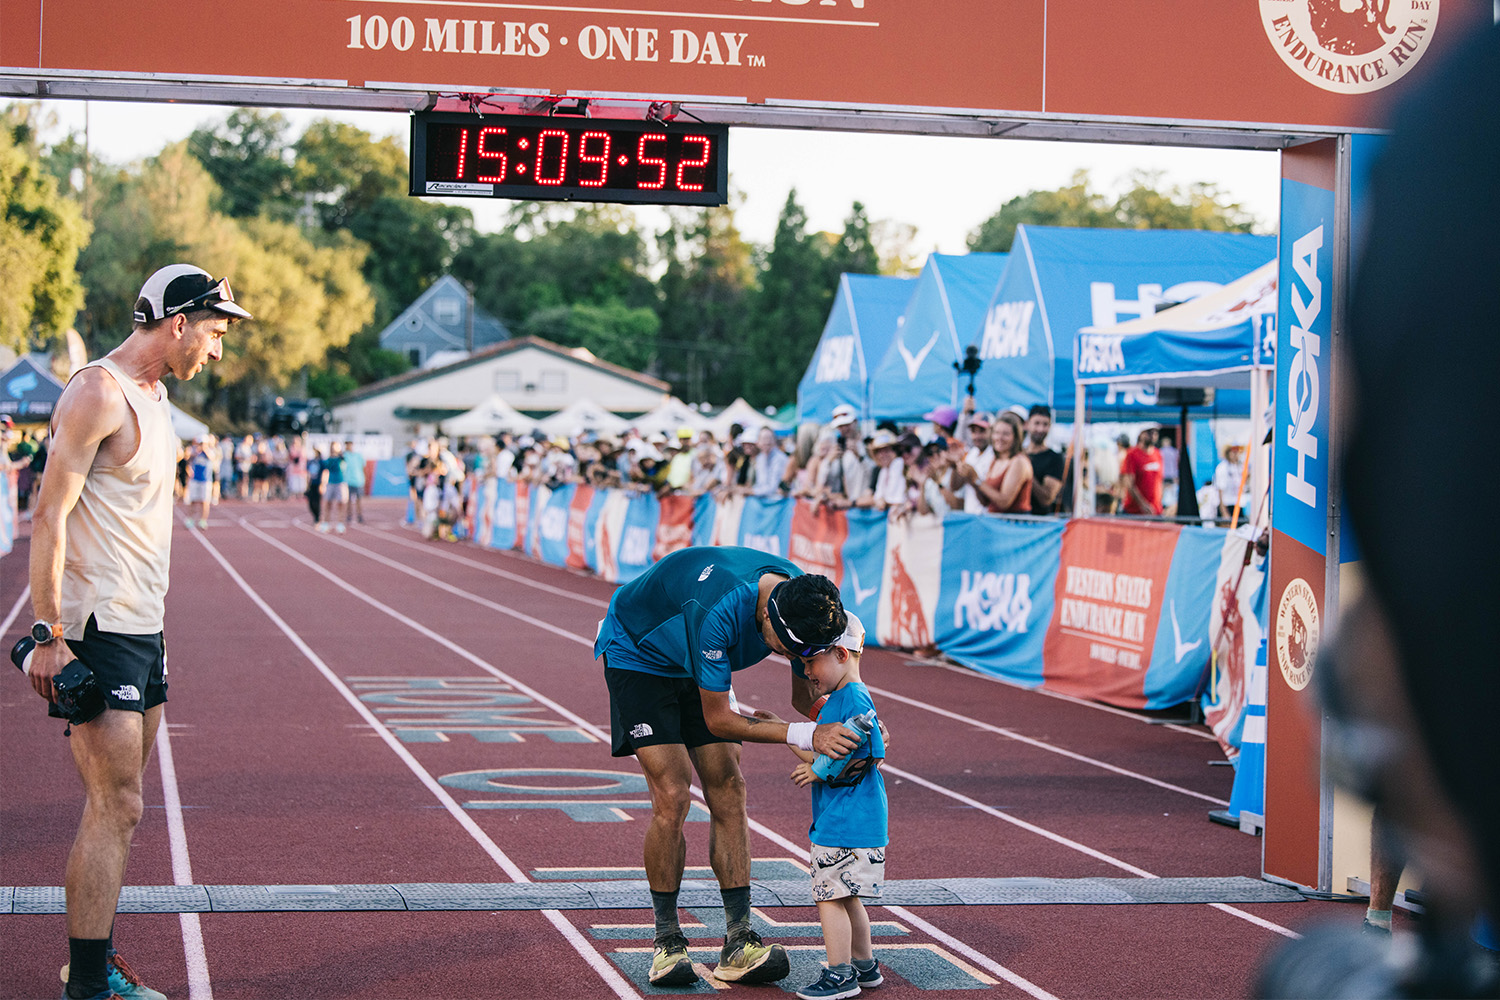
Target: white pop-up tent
[672,415]
[492,416]
[742,413]
[185,426]
[583,415]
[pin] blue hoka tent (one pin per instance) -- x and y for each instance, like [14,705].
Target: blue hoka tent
[1062,280]
[860,327]
[945,309]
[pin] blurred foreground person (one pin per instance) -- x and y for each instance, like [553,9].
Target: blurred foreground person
[1413,689]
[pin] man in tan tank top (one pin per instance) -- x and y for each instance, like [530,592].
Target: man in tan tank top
[100,548]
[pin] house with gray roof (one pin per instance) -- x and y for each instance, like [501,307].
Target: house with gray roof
[443,322]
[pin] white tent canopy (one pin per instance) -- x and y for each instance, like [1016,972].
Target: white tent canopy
[187,428]
[742,413]
[490,417]
[667,418]
[583,415]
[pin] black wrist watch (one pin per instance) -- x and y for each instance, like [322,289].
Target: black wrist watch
[44,632]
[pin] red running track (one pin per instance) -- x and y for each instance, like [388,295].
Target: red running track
[373,708]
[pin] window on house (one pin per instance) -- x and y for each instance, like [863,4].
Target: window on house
[507,380]
[414,356]
[554,380]
[446,311]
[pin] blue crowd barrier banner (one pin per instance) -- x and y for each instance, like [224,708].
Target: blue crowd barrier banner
[552,525]
[1181,651]
[766,524]
[705,509]
[591,529]
[864,566]
[7,513]
[389,478]
[997,594]
[503,516]
[536,501]
[639,537]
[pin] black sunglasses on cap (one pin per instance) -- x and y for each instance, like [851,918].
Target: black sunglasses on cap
[212,296]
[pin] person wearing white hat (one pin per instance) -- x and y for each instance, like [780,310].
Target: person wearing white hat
[101,542]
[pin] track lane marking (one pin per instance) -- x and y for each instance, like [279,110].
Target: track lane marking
[581,945]
[200,987]
[521,616]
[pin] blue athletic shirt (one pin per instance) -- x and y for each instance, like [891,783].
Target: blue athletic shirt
[692,614]
[852,815]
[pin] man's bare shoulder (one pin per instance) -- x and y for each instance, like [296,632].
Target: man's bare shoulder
[92,406]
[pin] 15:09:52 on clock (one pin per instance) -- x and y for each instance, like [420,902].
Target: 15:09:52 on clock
[540,158]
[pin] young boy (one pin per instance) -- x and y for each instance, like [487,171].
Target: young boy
[849,826]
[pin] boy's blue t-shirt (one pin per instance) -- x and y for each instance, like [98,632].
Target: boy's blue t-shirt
[692,614]
[852,815]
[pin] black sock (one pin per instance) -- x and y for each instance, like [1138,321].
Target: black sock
[87,974]
[665,906]
[736,910]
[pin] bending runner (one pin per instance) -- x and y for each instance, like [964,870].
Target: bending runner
[670,642]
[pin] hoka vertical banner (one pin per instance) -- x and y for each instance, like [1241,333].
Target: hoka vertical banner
[1235,632]
[591,519]
[705,513]
[675,528]
[818,535]
[1312,240]
[482,510]
[913,577]
[536,506]
[578,528]
[639,538]
[389,478]
[523,514]
[1109,602]
[552,525]
[7,512]
[503,516]
[864,565]
[766,524]
[1181,650]
[997,594]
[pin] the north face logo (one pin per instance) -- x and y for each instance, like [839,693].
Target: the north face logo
[713,654]
[707,570]
[640,731]
[126,692]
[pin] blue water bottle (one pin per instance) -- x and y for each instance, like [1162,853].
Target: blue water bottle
[826,767]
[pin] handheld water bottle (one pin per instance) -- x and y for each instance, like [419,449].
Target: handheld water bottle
[826,767]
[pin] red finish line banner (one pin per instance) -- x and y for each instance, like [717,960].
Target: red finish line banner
[1293,62]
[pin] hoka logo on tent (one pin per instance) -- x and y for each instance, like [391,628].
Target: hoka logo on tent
[1108,310]
[1130,394]
[1007,330]
[988,602]
[835,360]
[554,524]
[635,547]
[1100,353]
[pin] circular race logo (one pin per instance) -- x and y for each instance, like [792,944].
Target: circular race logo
[1350,46]
[1297,629]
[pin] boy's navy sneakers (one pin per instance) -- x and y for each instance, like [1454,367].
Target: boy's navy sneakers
[868,978]
[831,986]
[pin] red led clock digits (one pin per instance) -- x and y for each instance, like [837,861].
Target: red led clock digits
[562,156]
[602,158]
[683,185]
[657,162]
[484,154]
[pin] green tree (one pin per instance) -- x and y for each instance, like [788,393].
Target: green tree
[613,332]
[1144,205]
[247,156]
[706,287]
[41,234]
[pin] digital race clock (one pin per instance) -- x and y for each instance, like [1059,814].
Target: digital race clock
[535,157]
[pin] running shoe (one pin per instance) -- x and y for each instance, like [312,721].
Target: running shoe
[123,982]
[108,994]
[1374,930]
[744,959]
[831,986]
[671,965]
[869,978]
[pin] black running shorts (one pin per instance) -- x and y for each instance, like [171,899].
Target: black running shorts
[131,669]
[647,710]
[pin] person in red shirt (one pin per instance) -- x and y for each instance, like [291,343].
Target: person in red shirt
[1141,475]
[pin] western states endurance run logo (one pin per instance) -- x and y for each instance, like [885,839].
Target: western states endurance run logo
[1350,46]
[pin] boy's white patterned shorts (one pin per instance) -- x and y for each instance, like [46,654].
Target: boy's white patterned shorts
[847,871]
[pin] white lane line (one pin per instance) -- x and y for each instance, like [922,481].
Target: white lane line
[1011,734]
[795,849]
[990,810]
[433,550]
[581,945]
[199,985]
[15,609]
[967,720]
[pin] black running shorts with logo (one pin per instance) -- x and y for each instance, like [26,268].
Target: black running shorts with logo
[131,670]
[647,709]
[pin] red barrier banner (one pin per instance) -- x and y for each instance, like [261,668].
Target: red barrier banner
[1108,600]
[578,512]
[675,528]
[523,511]
[818,536]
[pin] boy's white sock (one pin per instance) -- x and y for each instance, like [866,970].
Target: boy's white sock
[1380,918]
